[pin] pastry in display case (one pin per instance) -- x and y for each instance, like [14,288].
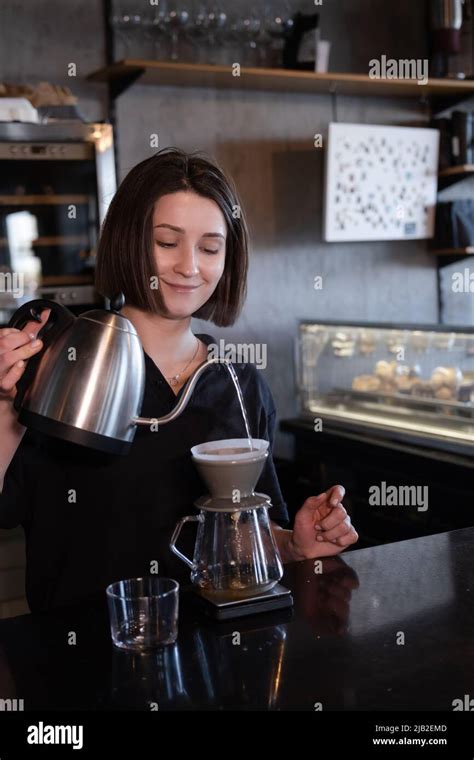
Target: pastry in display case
[409,380]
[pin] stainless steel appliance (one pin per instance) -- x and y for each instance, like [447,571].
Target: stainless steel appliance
[56,182]
[99,405]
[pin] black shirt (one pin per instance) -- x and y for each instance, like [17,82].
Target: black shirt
[91,518]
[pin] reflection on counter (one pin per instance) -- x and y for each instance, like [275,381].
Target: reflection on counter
[220,675]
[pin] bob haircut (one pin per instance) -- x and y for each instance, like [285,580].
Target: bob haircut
[125,258]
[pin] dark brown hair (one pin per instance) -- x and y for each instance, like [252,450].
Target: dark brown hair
[125,260]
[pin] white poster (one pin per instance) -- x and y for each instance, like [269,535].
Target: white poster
[381,182]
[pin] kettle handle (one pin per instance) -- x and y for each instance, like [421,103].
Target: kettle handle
[59,319]
[175,536]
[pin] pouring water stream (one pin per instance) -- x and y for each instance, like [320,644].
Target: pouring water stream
[240,396]
[188,389]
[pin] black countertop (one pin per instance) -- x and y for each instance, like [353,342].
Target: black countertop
[385,628]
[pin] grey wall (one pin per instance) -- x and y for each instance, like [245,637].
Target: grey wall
[39,38]
[265,141]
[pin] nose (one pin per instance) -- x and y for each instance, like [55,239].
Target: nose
[187,264]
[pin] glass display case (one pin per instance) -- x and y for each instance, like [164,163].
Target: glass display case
[407,380]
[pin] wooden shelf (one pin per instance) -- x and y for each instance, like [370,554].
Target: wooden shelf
[47,240]
[447,256]
[42,200]
[456,170]
[453,251]
[453,174]
[122,74]
[53,240]
[68,279]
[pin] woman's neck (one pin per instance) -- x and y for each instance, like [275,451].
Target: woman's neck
[167,341]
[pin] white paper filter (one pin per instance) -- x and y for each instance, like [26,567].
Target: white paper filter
[204,451]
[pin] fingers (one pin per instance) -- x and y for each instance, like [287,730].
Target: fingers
[11,338]
[11,358]
[336,516]
[11,378]
[313,502]
[33,328]
[331,548]
[18,346]
[326,500]
[343,533]
[14,340]
[327,520]
[315,509]
[336,533]
[11,373]
[351,537]
[335,495]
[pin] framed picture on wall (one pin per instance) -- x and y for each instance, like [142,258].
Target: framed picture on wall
[381,182]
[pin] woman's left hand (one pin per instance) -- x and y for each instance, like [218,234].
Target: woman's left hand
[322,527]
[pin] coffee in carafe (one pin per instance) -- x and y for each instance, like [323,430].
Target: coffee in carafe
[235,555]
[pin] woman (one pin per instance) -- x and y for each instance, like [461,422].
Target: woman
[175,243]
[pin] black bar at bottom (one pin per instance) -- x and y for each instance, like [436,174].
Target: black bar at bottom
[384,734]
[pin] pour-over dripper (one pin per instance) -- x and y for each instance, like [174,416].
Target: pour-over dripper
[235,554]
[232,475]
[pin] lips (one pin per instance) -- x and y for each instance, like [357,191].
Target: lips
[189,288]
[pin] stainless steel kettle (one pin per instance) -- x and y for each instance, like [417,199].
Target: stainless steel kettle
[86,385]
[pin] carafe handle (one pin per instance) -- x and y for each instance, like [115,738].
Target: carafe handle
[175,536]
[58,321]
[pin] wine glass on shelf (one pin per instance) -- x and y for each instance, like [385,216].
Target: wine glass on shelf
[127,21]
[278,21]
[250,31]
[216,25]
[176,19]
[154,30]
[198,31]
[235,37]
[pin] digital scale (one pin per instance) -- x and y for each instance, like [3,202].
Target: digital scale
[220,608]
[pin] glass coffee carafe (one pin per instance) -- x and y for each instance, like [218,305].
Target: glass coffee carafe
[235,555]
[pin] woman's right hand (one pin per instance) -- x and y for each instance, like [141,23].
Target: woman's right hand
[16,347]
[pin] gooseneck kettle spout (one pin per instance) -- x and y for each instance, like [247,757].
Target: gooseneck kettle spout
[183,402]
[86,385]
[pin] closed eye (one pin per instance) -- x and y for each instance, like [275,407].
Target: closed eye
[162,244]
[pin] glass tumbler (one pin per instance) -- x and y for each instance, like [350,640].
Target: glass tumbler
[143,612]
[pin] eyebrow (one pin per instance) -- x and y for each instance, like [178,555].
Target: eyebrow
[180,229]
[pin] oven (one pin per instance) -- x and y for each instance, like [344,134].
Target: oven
[56,182]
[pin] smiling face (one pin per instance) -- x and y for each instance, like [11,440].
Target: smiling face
[189,245]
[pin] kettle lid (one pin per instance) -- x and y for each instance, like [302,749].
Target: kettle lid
[111,317]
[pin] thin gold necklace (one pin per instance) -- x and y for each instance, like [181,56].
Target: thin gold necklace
[174,379]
